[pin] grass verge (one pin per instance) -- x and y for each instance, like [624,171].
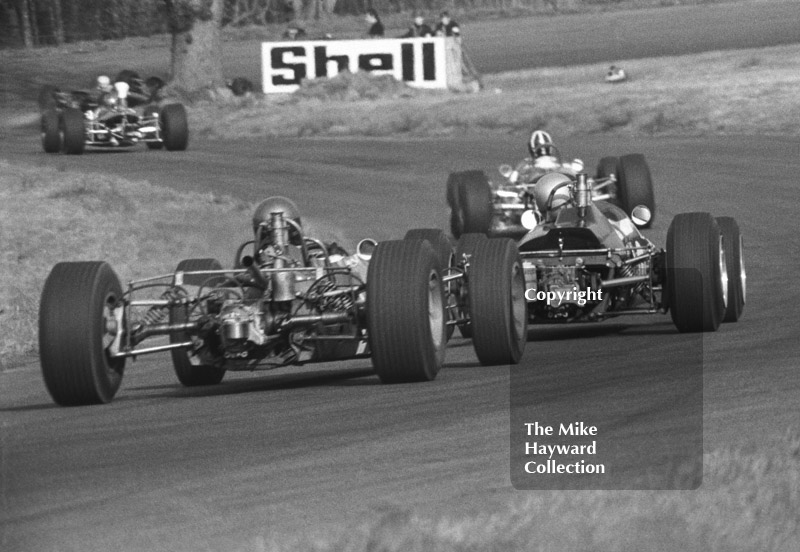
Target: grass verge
[745,91]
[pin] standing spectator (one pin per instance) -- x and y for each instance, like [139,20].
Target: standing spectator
[376,28]
[419,28]
[446,26]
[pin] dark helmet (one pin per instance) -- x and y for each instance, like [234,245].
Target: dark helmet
[276,204]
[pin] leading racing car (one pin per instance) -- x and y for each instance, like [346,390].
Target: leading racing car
[291,300]
[585,260]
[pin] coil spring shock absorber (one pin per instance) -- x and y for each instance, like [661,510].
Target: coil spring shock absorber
[157,314]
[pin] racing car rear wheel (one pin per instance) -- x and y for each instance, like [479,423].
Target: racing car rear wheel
[475,202]
[73,131]
[497,305]
[464,249]
[47,97]
[470,210]
[189,368]
[79,317]
[51,135]
[174,127]
[696,273]
[405,311]
[635,185]
[444,252]
[734,258]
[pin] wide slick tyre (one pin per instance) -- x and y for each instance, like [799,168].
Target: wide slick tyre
[737,276]
[497,305]
[79,314]
[174,127]
[635,185]
[444,252]
[189,369]
[51,132]
[470,199]
[696,273]
[406,311]
[72,127]
[607,166]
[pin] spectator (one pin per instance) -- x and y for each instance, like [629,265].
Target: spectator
[446,26]
[419,28]
[376,28]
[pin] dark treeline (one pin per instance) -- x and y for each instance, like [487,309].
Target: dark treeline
[28,23]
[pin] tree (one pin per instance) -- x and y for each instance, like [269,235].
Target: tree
[196,43]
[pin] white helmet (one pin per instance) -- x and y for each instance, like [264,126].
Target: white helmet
[538,139]
[276,204]
[544,188]
[104,83]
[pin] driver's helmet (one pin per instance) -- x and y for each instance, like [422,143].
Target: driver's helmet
[545,186]
[104,84]
[538,139]
[276,204]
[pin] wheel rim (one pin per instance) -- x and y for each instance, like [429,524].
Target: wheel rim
[742,272]
[518,302]
[723,273]
[435,310]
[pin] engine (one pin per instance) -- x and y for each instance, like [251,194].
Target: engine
[562,292]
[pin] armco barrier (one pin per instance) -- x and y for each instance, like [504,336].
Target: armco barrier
[433,62]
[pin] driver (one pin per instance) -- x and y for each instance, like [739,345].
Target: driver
[544,158]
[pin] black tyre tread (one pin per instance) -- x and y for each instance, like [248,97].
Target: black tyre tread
[731,237]
[635,185]
[475,202]
[76,370]
[695,297]
[403,349]
[189,374]
[73,127]
[496,338]
[174,127]
[51,136]
[47,99]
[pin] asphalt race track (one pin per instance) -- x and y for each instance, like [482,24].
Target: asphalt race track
[303,451]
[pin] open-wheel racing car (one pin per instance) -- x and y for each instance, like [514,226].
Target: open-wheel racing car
[289,300]
[495,207]
[110,117]
[585,260]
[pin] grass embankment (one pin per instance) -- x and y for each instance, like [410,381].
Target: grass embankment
[745,91]
[748,501]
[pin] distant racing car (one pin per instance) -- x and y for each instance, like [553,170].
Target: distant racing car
[117,116]
[291,300]
[494,206]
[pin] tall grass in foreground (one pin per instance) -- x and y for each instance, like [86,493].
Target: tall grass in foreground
[750,91]
[749,501]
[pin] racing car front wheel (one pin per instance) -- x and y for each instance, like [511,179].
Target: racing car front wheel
[635,185]
[73,131]
[497,305]
[737,277]
[405,311]
[79,318]
[174,127]
[696,273]
[189,368]
[51,134]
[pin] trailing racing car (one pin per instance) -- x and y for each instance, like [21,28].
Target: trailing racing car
[115,116]
[585,260]
[289,299]
[494,207]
